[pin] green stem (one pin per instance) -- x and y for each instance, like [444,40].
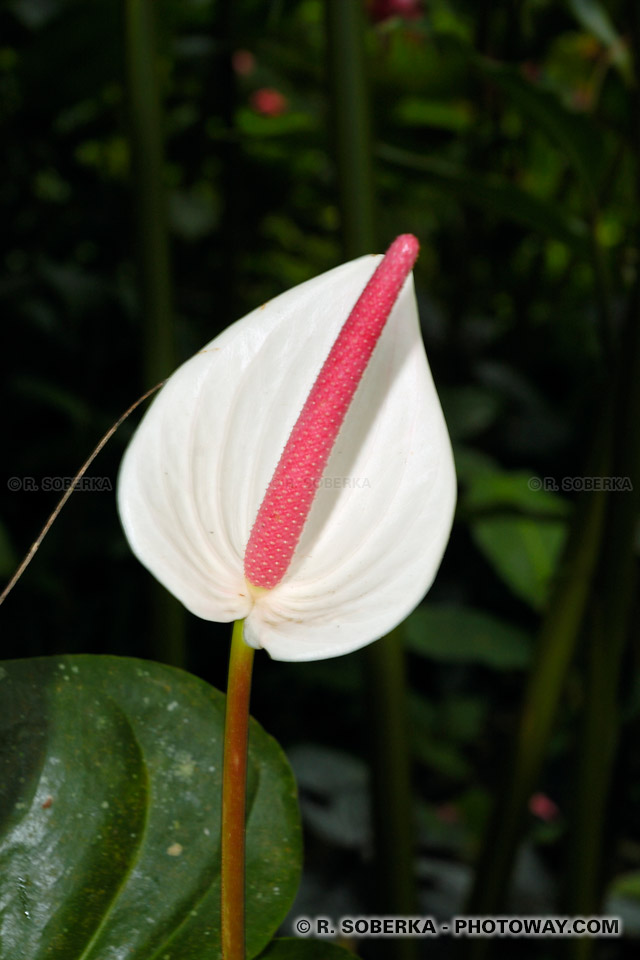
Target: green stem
[223,100]
[601,286]
[351,124]
[391,774]
[234,796]
[154,274]
[384,660]
[147,159]
[597,751]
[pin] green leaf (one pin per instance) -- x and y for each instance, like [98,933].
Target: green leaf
[523,551]
[454,115]
[291,948]
[253,124]
[462,635]
[594,18]
[110,777]
[515,522]
[627,885]
[494,195]
[576,136]
[515,489]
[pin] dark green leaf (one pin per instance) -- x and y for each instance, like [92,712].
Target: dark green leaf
[452,115]
[523,551]
[573,134]
[456,635]
[627,885]
[517,490]
[254,125]
[110,814]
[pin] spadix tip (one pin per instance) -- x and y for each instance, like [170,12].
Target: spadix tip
[404,250]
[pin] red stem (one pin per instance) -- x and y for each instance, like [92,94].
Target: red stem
[234,793]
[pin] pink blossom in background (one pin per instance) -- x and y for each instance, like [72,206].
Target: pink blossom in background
[269,102]
[543,807]
[385,9]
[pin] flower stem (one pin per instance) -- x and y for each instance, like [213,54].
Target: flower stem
[234,792]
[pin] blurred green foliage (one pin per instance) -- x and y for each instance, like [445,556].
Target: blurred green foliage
[504,138]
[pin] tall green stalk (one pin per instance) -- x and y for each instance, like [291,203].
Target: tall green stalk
[610,625]
[391,778]
[611,613]
[384,660]
[559,634]
[223,100]
[351,124]
[147,163]
[154,274]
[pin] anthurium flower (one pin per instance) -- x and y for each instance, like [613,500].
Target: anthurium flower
[297,472]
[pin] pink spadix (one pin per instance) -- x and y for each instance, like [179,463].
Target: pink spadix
[287,502]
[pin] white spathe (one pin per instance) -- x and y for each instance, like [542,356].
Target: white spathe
[196,471]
